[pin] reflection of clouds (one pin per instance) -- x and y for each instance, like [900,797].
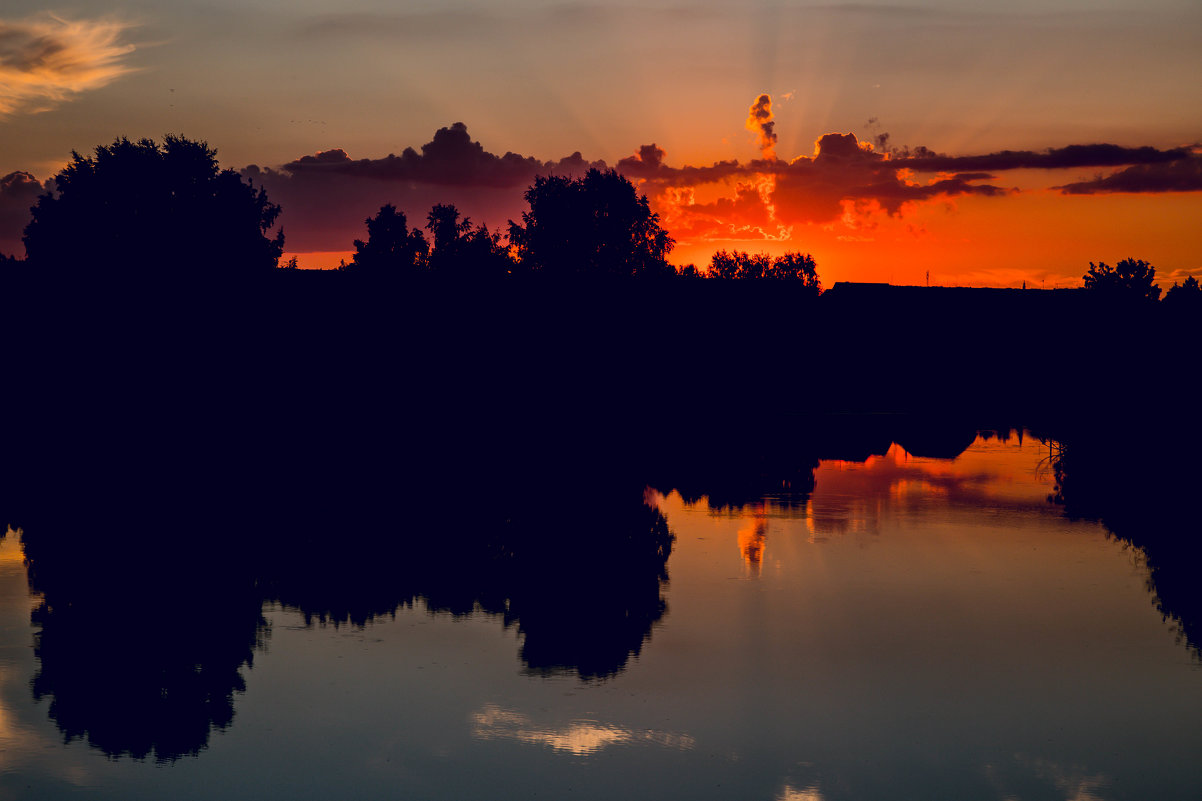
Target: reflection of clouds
[853,497]
[580,737]
[752,541]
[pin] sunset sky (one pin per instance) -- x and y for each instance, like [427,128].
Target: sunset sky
[873,136]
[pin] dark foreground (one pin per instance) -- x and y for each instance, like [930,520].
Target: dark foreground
[321,444]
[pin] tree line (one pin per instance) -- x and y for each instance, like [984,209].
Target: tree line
[158,209]
[144,208]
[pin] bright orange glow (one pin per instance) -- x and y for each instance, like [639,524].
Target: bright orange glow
[1039,237]
[11,555]
[318,260]
[753,539]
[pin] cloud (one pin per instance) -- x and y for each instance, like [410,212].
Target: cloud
[759,122]
[846,184]
[1073,156]
[1182,175]
[451,158]
[48,60]
[843,173]
[326,197]
[18,193]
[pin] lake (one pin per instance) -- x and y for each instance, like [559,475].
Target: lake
[906,627]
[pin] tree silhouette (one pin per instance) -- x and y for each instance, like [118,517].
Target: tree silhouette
[739,265]
[1188,293]
[391,247]
[595,225]
[1130,278]
[461,250]
[142,207]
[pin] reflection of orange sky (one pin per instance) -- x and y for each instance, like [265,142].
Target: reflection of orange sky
[753,538]
[853,496]
[11,555]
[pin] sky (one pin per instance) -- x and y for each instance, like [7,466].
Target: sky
[949,142]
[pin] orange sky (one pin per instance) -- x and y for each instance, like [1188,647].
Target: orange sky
[1026,231]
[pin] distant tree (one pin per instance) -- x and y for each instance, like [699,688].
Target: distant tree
[391,247]
[461,250]
[595,225]
[740,265]
[142,207]
[689,271]
[1188,292]
[1130,278]
[799,267]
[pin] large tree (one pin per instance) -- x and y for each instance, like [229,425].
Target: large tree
[1130,278]
[142,207]
[594,225]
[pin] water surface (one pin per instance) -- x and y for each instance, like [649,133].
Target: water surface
[909,628]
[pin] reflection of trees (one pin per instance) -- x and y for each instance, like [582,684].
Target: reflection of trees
[142,640]
[1140,486]
[582,582]
[153,577]
[737,463]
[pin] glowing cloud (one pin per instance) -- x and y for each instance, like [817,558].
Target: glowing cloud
[759,122]
[46,61]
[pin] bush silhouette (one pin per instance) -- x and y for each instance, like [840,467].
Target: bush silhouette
[595,225]
[462,251]
[1130,278]
[141,207]
[739,265]
[391,247]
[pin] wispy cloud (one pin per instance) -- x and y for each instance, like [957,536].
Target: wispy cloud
[48,60]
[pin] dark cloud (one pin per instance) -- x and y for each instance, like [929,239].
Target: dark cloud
[643,164]
[1183,175]
[451,158]
[1073,156]
[808,189]
[18,193]
[759,122]
[326,197]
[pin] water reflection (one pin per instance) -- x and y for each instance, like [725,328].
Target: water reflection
[753,537]
[790,793]
[148,618]
[1143,489]
[150,614]
[579,737]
